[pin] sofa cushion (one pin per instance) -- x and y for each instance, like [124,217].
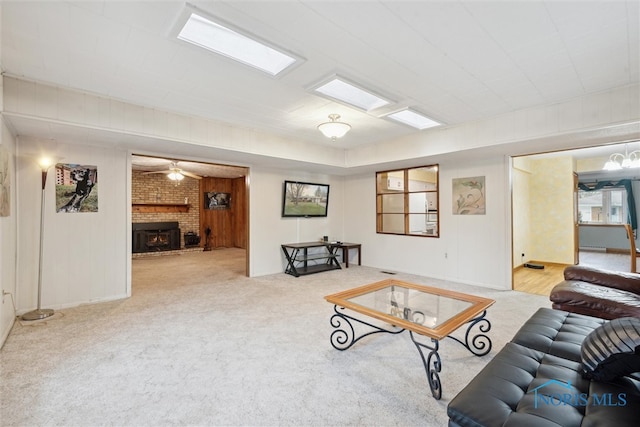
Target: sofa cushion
[595,300]
[556,332]
[612,350]
[504,392]
[612,279]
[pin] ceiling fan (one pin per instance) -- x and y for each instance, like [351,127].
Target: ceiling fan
[174,173]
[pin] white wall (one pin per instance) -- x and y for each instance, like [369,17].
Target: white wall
[268,230]
[471,249]
[8,242]
[8,225]
[597,236]
[85,254]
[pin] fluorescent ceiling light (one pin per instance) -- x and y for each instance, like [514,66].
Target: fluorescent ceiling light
[224,41]
[346,92]
[413,119]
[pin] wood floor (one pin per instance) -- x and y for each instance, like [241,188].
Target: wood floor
[537,282]
[541,282]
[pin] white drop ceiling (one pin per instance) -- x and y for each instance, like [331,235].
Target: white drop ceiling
[455,61]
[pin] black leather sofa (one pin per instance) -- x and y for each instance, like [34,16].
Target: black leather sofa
[536,380]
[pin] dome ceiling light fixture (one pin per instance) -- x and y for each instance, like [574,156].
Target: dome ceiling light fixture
[619,161]
[334,129]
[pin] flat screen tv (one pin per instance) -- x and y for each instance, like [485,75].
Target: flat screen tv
[305,199]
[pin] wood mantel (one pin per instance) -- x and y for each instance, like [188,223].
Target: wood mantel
[159,207]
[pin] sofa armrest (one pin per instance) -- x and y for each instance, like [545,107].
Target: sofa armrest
[629,282]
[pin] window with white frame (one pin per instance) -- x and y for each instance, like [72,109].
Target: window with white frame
[604,206]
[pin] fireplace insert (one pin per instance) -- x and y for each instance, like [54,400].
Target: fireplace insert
[155,236]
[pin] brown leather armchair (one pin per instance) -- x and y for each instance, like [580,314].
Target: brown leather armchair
[599,293]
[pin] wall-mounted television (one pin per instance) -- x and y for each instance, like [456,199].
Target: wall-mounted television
[305,199]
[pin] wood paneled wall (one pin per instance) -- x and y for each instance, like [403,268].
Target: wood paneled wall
[228,226]
[240,215]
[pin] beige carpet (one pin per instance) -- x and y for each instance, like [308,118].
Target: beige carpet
[199,344]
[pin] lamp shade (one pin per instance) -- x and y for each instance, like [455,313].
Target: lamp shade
[334,129]
[619,161]
[45,163]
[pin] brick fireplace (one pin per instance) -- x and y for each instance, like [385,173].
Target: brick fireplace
[158,189]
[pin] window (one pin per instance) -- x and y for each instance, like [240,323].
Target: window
[604,206]
[407,201]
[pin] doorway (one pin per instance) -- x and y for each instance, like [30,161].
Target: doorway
[545,229]
[179,192]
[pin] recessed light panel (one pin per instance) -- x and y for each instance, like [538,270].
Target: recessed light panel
[217,38]
[413,119]
[346,92]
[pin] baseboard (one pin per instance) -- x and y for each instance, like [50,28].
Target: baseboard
[58,307]
[606,250]
[6,332]
[593,248]
[618,251]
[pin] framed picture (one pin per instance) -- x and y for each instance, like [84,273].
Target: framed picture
[5,183]
[305,199]
[469,196]
[214,200]
[76,188]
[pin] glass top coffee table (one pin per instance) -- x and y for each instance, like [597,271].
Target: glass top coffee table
[423,310]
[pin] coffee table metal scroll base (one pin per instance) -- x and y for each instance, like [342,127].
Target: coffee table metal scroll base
[343,337]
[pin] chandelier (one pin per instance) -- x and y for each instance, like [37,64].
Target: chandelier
[619,161]
[334,129]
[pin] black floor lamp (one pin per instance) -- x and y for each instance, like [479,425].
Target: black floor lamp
[40,313]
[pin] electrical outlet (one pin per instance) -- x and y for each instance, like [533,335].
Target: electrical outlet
[445,255]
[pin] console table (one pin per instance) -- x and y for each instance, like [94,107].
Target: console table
[301,261]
